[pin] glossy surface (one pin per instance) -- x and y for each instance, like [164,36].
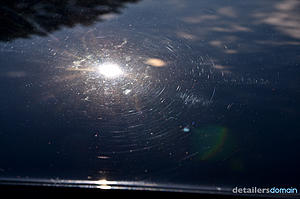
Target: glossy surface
[200,93]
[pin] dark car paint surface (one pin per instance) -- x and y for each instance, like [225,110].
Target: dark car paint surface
[197,96]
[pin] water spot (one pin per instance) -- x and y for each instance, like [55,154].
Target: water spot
[186,129]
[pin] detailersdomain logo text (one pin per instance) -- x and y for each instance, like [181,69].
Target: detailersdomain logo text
[256,190]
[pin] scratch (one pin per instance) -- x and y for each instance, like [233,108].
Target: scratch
[122,44]
[170,49]
[190,156]
[213,94]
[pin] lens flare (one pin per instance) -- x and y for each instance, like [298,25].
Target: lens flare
[209,142]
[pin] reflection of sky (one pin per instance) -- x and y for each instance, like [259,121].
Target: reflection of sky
[153,93]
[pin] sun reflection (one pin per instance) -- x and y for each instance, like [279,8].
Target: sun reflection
[109,70]
[103,184]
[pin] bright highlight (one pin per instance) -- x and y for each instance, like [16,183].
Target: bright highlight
[110,70]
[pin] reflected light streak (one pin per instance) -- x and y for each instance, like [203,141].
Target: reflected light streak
[109,70]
